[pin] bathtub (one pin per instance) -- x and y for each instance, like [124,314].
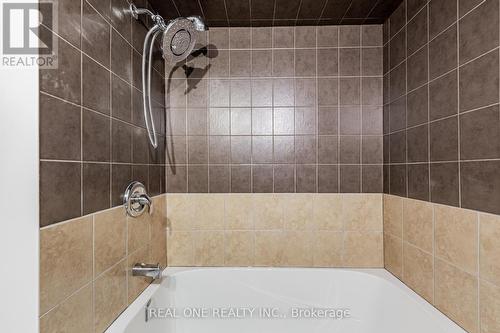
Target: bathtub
[275,300]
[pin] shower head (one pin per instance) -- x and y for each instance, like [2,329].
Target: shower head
[178,40]
[179,37]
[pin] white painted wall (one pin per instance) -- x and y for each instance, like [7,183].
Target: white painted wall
[19,248]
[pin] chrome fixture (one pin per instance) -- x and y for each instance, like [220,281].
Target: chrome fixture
[199,25]
[149,270]
[136,200]
[179,38]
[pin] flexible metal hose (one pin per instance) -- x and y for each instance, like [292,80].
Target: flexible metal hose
[147,55]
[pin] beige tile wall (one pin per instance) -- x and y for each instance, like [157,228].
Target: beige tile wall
[319,230]
[85,266]
[450,256]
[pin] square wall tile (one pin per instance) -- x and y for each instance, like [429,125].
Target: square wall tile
[479,185]
[59,122]
[489,249]
[60,246]
[418,271]
[110,292]
[78,306]
[64,204]
[479,31]
[479,82]
[444,183]
[443,53]
[96,187]
[456,295]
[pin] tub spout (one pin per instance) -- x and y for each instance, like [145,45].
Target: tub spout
[150,270]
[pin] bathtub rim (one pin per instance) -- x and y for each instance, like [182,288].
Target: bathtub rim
[120,324]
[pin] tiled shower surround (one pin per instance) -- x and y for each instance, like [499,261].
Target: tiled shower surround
[441,103]
[450,256]
[93,140]
[282,109]
[93,143]
[85,267]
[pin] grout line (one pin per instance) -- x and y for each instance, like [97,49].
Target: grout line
[81,113]
[186,87]
[433,251]
[285,77]
[93,247]
[109,116]
[447,161]
[406,101]
[478,270]
[295,182]
[362,107]
[229,111]
[402,239]
[458,109]
[339,169]
[444,118]
[89,283]
[298,12]
[347,10]
[60,223]
[207,119]
[248,164]
[471,10]
[285,48]
[81,158]
[429,184]
[316,104]
[251,117]
[92,110]
[388,126]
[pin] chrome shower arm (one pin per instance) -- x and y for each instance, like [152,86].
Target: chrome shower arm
[139,11]
[157,19]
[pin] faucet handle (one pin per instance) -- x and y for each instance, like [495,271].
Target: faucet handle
[136,200]
[144,200]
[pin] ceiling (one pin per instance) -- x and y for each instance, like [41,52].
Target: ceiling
[222,13]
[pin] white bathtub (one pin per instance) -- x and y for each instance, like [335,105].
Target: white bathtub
[219,300]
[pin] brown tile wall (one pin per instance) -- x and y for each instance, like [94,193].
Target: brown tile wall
[92,136]
[441,103]
[306,230]
[85,266]
[282,109]
[450,256]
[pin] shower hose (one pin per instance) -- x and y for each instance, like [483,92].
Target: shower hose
[147,58]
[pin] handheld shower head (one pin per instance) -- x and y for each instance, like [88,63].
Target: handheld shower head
[199,25]
[178,40]
[180,37]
